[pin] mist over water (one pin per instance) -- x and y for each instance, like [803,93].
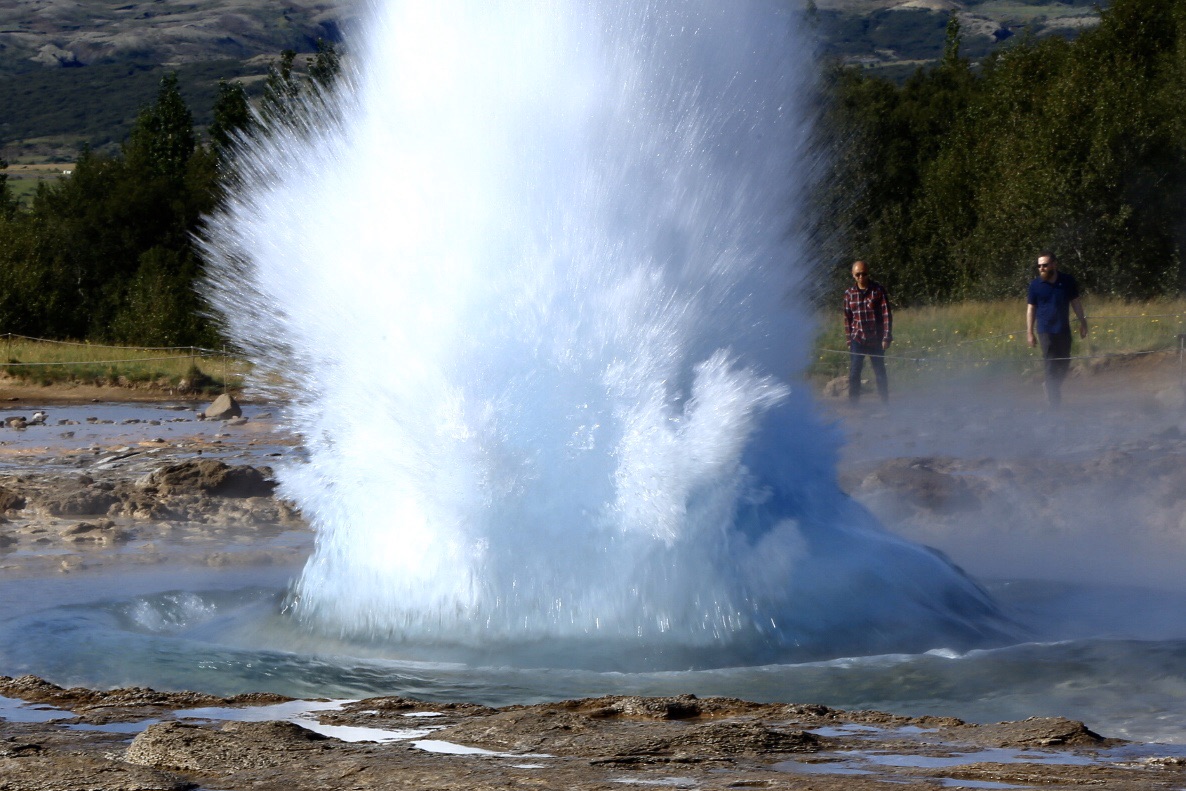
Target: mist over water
[529,286]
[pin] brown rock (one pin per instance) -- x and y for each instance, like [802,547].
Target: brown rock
[209,476]
[79,501]
[223,408]
[236,746]
[1038,732]
[923,483]
[10,500]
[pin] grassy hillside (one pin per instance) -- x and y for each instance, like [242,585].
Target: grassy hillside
[76,72]
[54,111]
[897,36]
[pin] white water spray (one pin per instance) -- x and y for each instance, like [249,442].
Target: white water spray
[532,296]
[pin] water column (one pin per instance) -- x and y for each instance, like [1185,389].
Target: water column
[529,287]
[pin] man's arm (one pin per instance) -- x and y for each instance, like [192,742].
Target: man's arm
[1030,315]
[887,321]
[847,319]
[1077,306]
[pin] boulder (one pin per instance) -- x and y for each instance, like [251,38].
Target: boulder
[210,476]
[923,484]
[1173,397]
[224,407]
[76,501]
[10,500]
[836,388]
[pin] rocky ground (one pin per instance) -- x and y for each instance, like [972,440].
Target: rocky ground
[146,492]
[177,489]
[137,740]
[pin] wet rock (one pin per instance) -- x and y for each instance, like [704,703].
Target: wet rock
[209,476]
[743,738]
[78,501]
[922,483]
[30,767]
[10,500]
[675,708]
[630,730]
[836,388]
[104,532]
[1036,732]
[730,744]
[235,747]
[144,700]
[1173,397]
[223,408]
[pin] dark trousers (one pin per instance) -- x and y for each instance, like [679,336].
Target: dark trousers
[856,361]
[1056,356]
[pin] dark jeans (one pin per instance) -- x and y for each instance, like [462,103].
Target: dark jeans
[1056,353]
[856,361]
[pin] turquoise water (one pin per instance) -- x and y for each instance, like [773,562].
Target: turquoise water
[225,633]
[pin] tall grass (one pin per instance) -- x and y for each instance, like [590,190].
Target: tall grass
[52,362]
[972,336]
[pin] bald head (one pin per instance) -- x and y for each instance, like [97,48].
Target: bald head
[860,273]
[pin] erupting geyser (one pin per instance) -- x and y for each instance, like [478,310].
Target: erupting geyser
[529,283]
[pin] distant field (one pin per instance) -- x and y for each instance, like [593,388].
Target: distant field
[50,362]
[24,178]
[895,37]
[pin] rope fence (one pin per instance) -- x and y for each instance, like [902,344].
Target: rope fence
[189,352]
[1001,360]
[10,336]
[99,362]
[196,352]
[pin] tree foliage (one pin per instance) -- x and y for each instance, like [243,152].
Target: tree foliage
[107,253]
[288,96]
[232,116]
[7,202]
[954,180]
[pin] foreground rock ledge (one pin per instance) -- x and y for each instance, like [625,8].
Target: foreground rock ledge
[597,743]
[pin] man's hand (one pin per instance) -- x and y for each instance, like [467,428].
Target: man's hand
[1030,337]
[885,344]
[1082,326]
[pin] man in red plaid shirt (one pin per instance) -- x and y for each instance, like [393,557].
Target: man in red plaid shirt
[868,329]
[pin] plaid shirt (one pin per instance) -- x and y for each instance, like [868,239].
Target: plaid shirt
[867,316]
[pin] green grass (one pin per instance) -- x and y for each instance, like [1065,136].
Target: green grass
[989,336]
[48,363]
[971,338]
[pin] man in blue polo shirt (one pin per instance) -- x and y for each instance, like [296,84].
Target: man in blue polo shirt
[1050,295]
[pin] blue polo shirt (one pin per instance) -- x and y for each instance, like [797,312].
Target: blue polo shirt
[1052,303]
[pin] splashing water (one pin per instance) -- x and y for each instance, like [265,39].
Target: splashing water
[529,282]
